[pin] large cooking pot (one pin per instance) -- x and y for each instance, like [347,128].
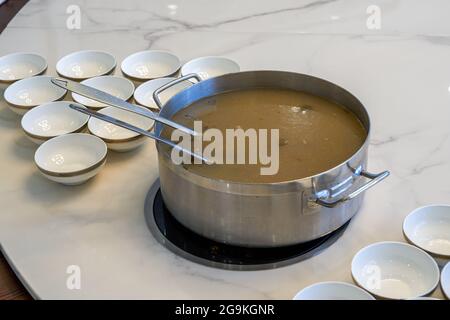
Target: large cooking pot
[265,214]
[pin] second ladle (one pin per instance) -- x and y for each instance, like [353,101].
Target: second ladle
[101,96]
[133,128]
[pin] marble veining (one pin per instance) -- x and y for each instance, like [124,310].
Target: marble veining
[400,72]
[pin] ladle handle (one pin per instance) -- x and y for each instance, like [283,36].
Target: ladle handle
[104,97]
[374,179]
[133,128]
[158,91]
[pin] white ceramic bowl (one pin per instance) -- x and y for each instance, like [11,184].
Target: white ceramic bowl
[150,64]
[85,64]
[117,138]
[395,270]
[52,119]
[429,228]
[209,67]
[333,291]
[445,280]
[72,158]
[144,93]
[117,86]
[17,66]
[30,92]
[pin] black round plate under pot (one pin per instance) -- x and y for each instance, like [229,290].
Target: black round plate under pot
[192,246]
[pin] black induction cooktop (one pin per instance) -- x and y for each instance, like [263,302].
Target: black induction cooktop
[192,246]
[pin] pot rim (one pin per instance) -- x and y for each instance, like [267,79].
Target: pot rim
[229,183]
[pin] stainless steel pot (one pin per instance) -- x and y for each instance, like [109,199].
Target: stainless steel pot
[265,214]
[245,214]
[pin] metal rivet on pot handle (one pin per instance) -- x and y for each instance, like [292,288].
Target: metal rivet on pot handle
[158,91]
[375,178]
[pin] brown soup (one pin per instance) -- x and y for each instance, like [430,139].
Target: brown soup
[315,134]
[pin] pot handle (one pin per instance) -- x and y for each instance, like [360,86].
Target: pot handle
[158,91]
[374,179]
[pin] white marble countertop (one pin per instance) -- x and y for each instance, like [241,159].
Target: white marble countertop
[401,73]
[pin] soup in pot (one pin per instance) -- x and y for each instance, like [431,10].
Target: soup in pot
[315,134]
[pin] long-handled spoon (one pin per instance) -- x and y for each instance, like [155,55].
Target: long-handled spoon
[130,127]
[101,96]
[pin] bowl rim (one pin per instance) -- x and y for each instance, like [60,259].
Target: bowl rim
[346,284]
[29,106]
[139,78]
[397,243]
[97,164]
[195,60]
[46,137]
[42,69]
[67,76]
[412,242]
[135,135]
[146,83]
[109,76]
[445,270]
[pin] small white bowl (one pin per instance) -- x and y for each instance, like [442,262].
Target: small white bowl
[150,64]
[333,290]
[118,138]
[52,119]
[209,67]
[85,64]
[117,86]
[144,93]
[395,270]
[72,158]
[445,280]
[30,92]
[428,228]
[17,66]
